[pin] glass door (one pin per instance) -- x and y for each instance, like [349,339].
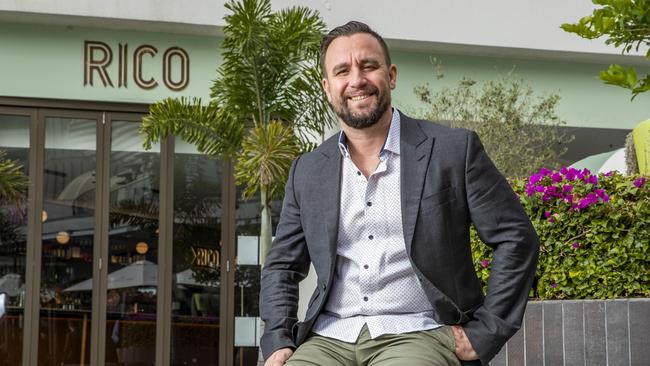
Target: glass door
[247,325]
[14,145]
[196,265]
[132,260]
[68,239]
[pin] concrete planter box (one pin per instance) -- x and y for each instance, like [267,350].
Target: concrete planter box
[581,332]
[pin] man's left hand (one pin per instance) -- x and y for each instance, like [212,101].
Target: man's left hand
[464,349]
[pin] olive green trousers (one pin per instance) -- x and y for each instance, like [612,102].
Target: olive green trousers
[434,347]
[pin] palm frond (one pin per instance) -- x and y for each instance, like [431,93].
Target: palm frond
[13,183]
[212,130]
[267,154]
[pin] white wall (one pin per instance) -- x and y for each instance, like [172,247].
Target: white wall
[519,24]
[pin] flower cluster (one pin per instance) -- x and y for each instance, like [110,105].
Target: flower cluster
[639,182]
[560,186]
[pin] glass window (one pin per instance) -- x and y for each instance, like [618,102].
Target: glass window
[67,242]
[247,277]
[132,248]
[14,141]
[196,257]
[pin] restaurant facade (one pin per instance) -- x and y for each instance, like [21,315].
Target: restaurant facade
[126,256]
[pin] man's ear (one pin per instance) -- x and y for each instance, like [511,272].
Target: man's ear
[392,74]
[326,88]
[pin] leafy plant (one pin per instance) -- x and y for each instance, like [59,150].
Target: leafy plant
[519,132]
[13,183]
[594,232]
[267,104]
[624,23]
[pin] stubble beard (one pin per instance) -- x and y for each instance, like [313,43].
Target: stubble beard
[361,121]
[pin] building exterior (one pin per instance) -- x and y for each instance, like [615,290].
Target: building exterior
[122,255]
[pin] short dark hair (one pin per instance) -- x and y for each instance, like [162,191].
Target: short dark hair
[346,30]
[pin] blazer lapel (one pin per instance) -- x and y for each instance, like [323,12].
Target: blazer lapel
[415,153]
[329,184]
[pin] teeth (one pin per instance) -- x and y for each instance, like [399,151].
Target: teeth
[359,97]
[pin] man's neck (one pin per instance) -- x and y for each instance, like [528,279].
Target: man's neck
[367,142]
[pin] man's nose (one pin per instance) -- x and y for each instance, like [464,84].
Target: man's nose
[357,78]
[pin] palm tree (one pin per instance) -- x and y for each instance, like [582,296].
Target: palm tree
[13,183]
[267,105]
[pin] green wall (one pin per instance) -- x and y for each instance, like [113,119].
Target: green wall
[585,100]
[47,62]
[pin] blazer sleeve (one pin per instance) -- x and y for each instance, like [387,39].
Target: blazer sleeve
[501,223]
[287,263]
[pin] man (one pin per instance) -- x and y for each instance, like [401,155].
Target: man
[383,212]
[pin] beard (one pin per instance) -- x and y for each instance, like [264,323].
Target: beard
[361,120]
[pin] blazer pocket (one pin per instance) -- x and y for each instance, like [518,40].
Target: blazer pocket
[438,198]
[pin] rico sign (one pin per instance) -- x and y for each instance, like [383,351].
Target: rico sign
[98,56]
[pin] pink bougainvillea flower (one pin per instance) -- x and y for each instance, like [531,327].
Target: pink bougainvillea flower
[556,177]
[639,182]
[485,263]
[575,245]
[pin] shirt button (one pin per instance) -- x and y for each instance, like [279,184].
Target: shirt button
[370,237]
[369,204]
[324,286]
[358,172]
[365,266]
[365,298]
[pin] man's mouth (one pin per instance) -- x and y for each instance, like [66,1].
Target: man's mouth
[357,98]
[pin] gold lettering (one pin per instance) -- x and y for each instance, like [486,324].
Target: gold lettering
[137,66]
[122,65]
[205,257]
[91,64]
[167,68]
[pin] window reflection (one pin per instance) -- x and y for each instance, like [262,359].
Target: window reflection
[197,253]
[133,248]
[67,242]
[247,277]
[14,140]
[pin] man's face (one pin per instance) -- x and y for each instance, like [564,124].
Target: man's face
[358,82]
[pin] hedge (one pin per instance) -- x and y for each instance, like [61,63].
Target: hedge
[594,232]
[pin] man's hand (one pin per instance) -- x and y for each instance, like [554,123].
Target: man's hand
[279,357]
[464,349]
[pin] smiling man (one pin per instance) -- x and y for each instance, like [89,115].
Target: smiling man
[383,211]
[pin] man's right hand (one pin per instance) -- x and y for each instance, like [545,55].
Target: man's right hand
[279,357]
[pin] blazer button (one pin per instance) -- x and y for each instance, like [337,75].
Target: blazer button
[324,286]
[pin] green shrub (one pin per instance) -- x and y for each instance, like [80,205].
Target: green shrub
[594,232]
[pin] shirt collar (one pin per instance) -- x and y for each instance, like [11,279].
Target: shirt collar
[391,144]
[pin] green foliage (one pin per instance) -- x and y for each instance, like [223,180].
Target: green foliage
[269,73]
[594,236]
[626,24]
[211,128]
[269,150]
[13,183]
[499,110]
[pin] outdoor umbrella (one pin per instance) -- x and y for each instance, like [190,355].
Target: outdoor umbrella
[604,162]
[138,274]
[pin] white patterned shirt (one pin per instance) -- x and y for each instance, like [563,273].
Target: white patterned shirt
[374,282]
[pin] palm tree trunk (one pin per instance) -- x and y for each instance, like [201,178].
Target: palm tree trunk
[265,244]
[265,224]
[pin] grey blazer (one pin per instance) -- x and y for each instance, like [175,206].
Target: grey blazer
[447,183]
